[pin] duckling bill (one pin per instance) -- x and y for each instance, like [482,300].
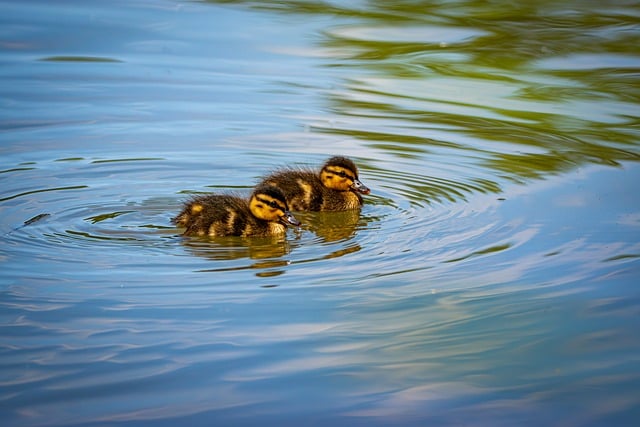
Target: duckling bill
[336,187]
[265,214]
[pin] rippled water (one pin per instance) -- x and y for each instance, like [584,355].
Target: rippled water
[490,278]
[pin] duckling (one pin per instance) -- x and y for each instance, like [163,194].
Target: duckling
[335,188]
[265,214]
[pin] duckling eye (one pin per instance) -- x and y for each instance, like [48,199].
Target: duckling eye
[274,205]
[343,174]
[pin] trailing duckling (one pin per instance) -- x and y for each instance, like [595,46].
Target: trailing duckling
[265,214]
[335,188]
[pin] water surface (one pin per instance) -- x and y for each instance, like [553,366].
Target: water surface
[489,279]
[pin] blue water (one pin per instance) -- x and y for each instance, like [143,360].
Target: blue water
[489,279]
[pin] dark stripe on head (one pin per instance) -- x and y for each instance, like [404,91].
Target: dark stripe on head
[274,193]
[276,204]
[343,162]
[341,172]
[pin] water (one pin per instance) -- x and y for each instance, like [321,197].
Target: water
[490,278]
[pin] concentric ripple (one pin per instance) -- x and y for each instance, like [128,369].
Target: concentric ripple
[401,218]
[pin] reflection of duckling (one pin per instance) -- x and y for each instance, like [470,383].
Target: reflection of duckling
[265,214]
[335,188]
[333,226]
[269,248]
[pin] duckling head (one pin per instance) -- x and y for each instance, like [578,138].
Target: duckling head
[268,203]
[340,173]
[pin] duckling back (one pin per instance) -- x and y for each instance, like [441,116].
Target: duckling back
[305,191]
[223,215]
[302,188]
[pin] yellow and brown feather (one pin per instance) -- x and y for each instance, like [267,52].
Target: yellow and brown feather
[331,189]
[264,214]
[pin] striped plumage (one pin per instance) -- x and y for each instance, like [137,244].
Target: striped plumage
[335,187]
[264,214]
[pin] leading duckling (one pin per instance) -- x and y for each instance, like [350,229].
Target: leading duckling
[265,214]
[335,188]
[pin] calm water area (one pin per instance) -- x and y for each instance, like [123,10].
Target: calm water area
[492,277]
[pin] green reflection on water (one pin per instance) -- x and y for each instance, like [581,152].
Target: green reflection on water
[137,159]
[43,190]
[520,90]
[99,218]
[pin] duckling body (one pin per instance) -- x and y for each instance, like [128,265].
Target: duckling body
[335,188]
[265,214]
